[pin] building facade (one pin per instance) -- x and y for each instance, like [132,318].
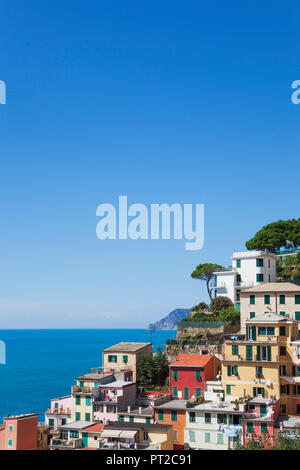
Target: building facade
[125,356]
[173,413]
[188,374]
[249,268]
[279,297]
[19,432]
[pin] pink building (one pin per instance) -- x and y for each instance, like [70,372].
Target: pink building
[259,420]
[59,412]
[19,432]
[111,398]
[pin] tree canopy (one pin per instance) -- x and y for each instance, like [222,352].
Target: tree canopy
[153,371]
[204,272]
[276,235]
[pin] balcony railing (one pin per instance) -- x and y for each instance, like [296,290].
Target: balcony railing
[83,390]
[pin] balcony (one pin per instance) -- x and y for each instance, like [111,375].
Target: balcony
[58,411]
[242,284]
[82,390]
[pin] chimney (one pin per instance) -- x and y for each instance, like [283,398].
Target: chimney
[140,410]
[128,409]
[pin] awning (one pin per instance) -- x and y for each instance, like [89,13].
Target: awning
[128,434]
[110,433]
[291,380]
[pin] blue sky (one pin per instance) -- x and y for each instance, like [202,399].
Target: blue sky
[167,101]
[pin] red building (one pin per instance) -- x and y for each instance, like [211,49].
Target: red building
[189,373]
[259,420]
[19,432]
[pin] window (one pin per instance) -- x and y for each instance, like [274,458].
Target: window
[228,389]
[173,416]
[87,416]
[262,410]
[232,370]
[63,421]
[192,436]
[238,278]
[198,392]
[81,385]
[186,393]
[101,408]
[121,418]
[252,299]
[259,277]
[258,392]
[264,428]
[297,316]
[50,422]
[77,416]
[125,359]
[112,359]
[282,299]
[207,417]
[115,409]
[96,384]
[259,262]
[297,299]
[259,373]
[175,374]
[148,420]
[250,428]
[238,295]
[238,263]
[298,409]
[192,417]
[285,389]
[207,437]
[282,369]
[282,313]
[263,353]
[10,442]
[221,418]
[175,435]
[283,409]
[175,391]
[282,331]
[235,350]
[11,428]
[220,438]
[282,351]
[198,374]
[266,331]
[249,353]
[131,419]
[88,401]
[267,300]
[161,415]
[252,314]
[74,434]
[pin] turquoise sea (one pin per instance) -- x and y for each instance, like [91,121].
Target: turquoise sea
[43,364]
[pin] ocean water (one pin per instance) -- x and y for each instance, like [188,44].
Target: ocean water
[43,364]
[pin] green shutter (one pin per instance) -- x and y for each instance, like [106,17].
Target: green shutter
[249,353]
[175,391]
[235,370]
[252,299]
[235,350]
[282,299]
[229,371]
[161,415]
[258,353]
[198,374]
[297,299]
[269,352]
[186,393]
[267,299]
[198,392]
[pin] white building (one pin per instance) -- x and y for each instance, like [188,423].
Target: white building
[213,426]
[249,268]
[59,412]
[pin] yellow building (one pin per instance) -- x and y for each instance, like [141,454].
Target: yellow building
[125,356]
[266,363]
[279,297]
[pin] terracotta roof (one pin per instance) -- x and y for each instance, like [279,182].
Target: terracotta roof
[273,287]
[98,427]
[190,360]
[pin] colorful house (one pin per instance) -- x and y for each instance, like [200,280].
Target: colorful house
[125,356]
[282,298]
[189,373]
[110,398]
[259,419]
[266,363]
[173,413]
[213,426]
[59,412]
[19,432]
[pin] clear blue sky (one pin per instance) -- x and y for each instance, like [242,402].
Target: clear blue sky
[163,101]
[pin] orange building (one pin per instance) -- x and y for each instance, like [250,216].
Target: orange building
[19,432]
[173,413]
